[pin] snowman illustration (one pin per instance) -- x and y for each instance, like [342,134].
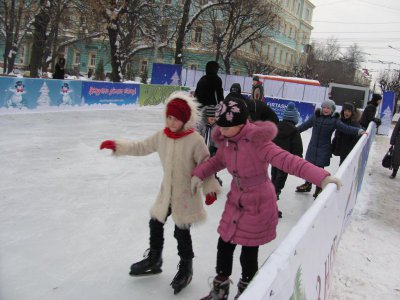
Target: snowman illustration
[16,98]
[65,92]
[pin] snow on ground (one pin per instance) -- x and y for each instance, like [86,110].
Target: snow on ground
[73,218]
[368,259]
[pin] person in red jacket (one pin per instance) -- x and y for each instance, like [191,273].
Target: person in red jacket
[250,215]
[180,148]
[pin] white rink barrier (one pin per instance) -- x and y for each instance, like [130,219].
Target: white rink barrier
[301,266]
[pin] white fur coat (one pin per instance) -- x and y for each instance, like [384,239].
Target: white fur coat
[178,158]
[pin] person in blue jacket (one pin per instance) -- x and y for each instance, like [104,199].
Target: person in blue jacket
[319,152]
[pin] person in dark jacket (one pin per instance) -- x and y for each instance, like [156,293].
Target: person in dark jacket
[209,89]
[257,91]
[343,143]
[289,139]
[370,112]
[59,69]
[258,110]
[395,142]
[319,151]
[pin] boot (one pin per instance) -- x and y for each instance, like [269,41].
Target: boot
[184,275]
[242,285]
[318,191]
[220,289]
[305,187]
[150,265]
[394,173]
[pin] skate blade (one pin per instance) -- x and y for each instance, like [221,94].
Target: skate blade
[177,289]
[148,273]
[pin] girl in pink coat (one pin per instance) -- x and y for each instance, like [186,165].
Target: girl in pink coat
[250,216]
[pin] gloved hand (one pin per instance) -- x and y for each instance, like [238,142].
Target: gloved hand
[362,131]
[108,145]
[331,179]
[211,198]
[378,122]
[195,184]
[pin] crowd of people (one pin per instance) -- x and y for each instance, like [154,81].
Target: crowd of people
[205,133]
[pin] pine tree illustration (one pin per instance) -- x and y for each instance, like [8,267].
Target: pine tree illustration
[175,79]
[44,98]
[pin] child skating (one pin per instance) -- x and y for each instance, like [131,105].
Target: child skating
[250,215]
[180,149]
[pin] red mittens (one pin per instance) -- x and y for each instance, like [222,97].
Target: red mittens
[211,198]
[108,145]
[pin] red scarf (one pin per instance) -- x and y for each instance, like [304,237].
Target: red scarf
[177,135]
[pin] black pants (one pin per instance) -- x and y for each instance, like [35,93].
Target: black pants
[248,260]
[278,178]
[183,237]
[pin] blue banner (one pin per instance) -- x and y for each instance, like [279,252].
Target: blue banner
[166,74]
[32,93]
[305,109]
[109,93]
[387,112]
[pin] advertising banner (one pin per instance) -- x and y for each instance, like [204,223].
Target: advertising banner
[166,74]
[301,267]
[32,93]
[386,113]
[279,105]
[155,94]
[109,93]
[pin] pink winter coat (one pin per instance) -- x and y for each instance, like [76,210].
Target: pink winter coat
[251,214]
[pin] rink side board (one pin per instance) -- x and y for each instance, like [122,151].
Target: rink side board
[301,266]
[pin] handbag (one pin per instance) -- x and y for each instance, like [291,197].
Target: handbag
[387,159]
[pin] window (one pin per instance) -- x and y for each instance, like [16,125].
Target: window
[92,59]
[237,72]
[22,55]
[280,56]
[286,58]
[203,2]
[284,29]
[274,56]
[308,14]
[290,32]
[197,35]
[143,67]
[163,32]
[193,67]
[77,58]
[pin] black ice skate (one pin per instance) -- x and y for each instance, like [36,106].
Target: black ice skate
[305,187]
[148,266]
[318,191]
[184,275]
[242,285]
[220,290]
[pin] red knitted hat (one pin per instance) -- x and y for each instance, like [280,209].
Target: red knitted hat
[179,109]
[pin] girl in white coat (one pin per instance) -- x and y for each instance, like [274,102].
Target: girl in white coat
[180,149]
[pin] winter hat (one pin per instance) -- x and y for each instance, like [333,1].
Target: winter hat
[256,78]
[210,110]
[179,109]
[330,104]
[348,106]
[235,88]
[231,112]
[291,113]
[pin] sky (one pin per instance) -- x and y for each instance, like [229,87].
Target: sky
[373,24]
[73,218]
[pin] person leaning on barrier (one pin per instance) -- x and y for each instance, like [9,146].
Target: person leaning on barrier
[370,112]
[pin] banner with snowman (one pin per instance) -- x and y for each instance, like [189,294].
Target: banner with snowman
[31,93]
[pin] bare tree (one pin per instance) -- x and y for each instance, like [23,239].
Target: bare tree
[354,56]
[42,19]
[13,27]
[244,23]
[328,51]
[390,81]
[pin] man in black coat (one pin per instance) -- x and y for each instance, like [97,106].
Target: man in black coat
[370,112]
[209,89]
[258,110]
[59,71]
